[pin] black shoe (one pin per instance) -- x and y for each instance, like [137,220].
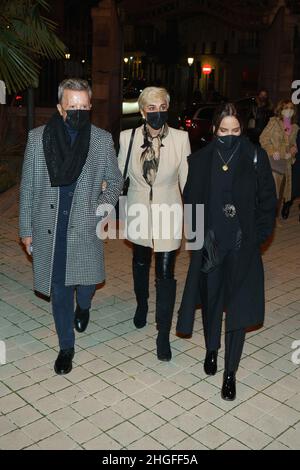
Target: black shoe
[140,317]
[210,363]
[81,319]
[285,211]
[228,388]
[163,348]
[63,363]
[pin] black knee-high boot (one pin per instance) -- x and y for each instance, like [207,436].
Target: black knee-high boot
[165,301]
[141,289]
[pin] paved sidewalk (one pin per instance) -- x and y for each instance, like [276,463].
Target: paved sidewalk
[119,396]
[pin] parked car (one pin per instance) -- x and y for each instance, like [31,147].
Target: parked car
[197,121]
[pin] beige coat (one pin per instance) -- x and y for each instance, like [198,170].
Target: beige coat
[161,232]
[274,139]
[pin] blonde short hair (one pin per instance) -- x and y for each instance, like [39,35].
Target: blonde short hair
[151,92]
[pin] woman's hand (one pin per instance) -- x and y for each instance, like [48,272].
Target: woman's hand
[104,186]
[276,156]
[294,150]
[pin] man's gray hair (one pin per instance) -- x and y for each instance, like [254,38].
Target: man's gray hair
[73,84]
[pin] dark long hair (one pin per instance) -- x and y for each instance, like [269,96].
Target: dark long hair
[223,111]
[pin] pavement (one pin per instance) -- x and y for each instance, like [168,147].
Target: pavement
[119,396]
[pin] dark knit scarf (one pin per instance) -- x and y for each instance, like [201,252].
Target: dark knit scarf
[151,154]
[64,160]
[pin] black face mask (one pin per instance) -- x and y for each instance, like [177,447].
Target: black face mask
[77,118]
[227,142]
[157,119]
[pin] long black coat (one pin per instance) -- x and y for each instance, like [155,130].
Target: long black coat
[254,197]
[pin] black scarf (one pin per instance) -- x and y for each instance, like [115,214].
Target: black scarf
[64,161]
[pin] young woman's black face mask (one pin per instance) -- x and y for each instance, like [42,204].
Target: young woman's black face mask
[227,142]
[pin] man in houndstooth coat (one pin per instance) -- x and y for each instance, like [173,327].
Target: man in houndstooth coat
[65,165]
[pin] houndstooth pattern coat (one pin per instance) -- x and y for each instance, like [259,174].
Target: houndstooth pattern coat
[39,203]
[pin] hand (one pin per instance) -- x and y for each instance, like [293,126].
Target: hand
[27,242]
[294,150]
[276,156]
[288,156]
[104,185]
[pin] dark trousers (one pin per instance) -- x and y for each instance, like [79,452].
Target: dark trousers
[164,261]
[62,298]
[217,283]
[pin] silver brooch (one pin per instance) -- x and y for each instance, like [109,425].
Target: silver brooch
[229,210]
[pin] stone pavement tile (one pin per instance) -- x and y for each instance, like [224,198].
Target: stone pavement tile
[64,418]
[8,370]
[130,386]
[24,416]
[211,437]
[147,421]
[146,443]
[167,388]
[109,396]
[125,433]
[230,425]
[167,409]
[168,435]
[248,413]
[10,403]
[204,389]
[71,394]
[33,393]
[253,438]
[83,431]
[187,400]
[276,445]
[113,376]
[54,384]
[102,442]
[188,422]
[58,441]
[271,426]
[294,402]
[6,425]
[233,444]
[4,390]
[286,415]
[88,406]
[92,385]
[279,392]
[106,419]
[40,429]
[49,404]
[291,438]
[263,402]
[189,444]
[128,408]
[97,366]
[255,381]
[207,411]
[15,440]
[270,373]
[147,397]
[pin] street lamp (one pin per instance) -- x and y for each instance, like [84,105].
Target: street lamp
[67,56]
[190,61]
[126,60]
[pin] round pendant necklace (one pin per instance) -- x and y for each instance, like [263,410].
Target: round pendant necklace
[225,167]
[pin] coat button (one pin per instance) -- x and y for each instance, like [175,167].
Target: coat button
[52,206]
[49,231]
[65,212]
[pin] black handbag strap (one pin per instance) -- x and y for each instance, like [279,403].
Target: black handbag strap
[128,154]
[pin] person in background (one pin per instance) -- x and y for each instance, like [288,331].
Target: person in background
[260,114]
[279,141]
[157,173]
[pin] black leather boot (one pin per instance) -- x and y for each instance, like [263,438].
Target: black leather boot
[81,319]
[63,363]
[210,363]
[141,290]
[229,388]
[165,301]
[285,211]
